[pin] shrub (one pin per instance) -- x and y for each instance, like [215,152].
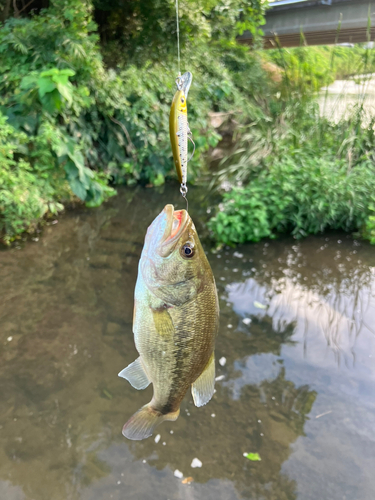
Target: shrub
[301,174]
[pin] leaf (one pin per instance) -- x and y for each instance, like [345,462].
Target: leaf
[254,457]
[49,72]
[259,305]
[187,480]
[28,81]
[45,85]
[66,92]
[78,188]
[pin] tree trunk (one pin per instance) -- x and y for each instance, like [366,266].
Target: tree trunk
[15,9]
[5,13]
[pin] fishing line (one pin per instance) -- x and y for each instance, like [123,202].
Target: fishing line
[183,83]
[178,39]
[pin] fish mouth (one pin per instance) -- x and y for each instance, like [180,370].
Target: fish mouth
[176,221]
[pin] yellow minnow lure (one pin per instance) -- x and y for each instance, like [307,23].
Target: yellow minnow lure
[179,128]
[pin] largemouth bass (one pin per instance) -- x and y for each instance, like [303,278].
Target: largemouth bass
[176,318]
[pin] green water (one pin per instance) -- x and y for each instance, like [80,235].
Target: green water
[298,384]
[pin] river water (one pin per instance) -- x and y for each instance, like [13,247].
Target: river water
[297,373]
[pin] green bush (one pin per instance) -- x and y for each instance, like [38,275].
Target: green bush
[301,195]
[26,195]
[90,125]
[299,173]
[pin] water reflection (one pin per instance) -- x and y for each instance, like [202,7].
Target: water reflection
[290,313]
[322,290]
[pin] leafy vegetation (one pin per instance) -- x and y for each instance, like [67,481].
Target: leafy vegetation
[299,173]
[307,69]
[77,118]
[81,126]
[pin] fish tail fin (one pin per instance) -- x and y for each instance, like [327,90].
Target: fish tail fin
[143,423]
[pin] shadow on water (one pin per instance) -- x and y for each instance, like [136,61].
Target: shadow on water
[296,374]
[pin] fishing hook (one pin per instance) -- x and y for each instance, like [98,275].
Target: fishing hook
[183,191]
[190,137]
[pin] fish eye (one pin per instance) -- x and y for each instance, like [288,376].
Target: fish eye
[187,251]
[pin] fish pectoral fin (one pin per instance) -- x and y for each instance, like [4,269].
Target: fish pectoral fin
[203,388]
[163,323]
[136,375]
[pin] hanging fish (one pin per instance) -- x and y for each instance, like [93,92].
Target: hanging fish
[176,317]
[179,128]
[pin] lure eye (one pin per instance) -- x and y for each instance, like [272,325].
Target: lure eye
[187,251]
[182,100]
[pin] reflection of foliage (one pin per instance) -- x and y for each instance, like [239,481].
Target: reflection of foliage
[294,404]
[237,423]
[263,339]
[318,285]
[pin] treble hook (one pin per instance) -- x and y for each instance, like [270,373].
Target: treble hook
[190,137]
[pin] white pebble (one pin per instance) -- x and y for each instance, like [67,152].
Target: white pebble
[230,326]
[245,454]
[118,482]
[222,361]
[196,463]
[178,474]
[164,443]
[157,438]
[9,339]
[171,432]
[213,415]
[144,461]
[238,255]
[259,421]
[220,377]
[247,321]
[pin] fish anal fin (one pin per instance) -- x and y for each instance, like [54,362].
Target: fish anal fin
[143,423]
[203,388]
[136,375]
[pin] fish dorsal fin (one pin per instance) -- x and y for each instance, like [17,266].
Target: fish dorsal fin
[203,388]
[136,375]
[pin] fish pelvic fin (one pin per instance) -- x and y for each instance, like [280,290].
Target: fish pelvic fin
[203,388]
[143,423]
[136,375]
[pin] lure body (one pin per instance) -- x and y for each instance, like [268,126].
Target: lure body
[178,130]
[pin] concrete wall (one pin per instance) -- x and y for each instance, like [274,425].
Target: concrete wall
[318,22]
